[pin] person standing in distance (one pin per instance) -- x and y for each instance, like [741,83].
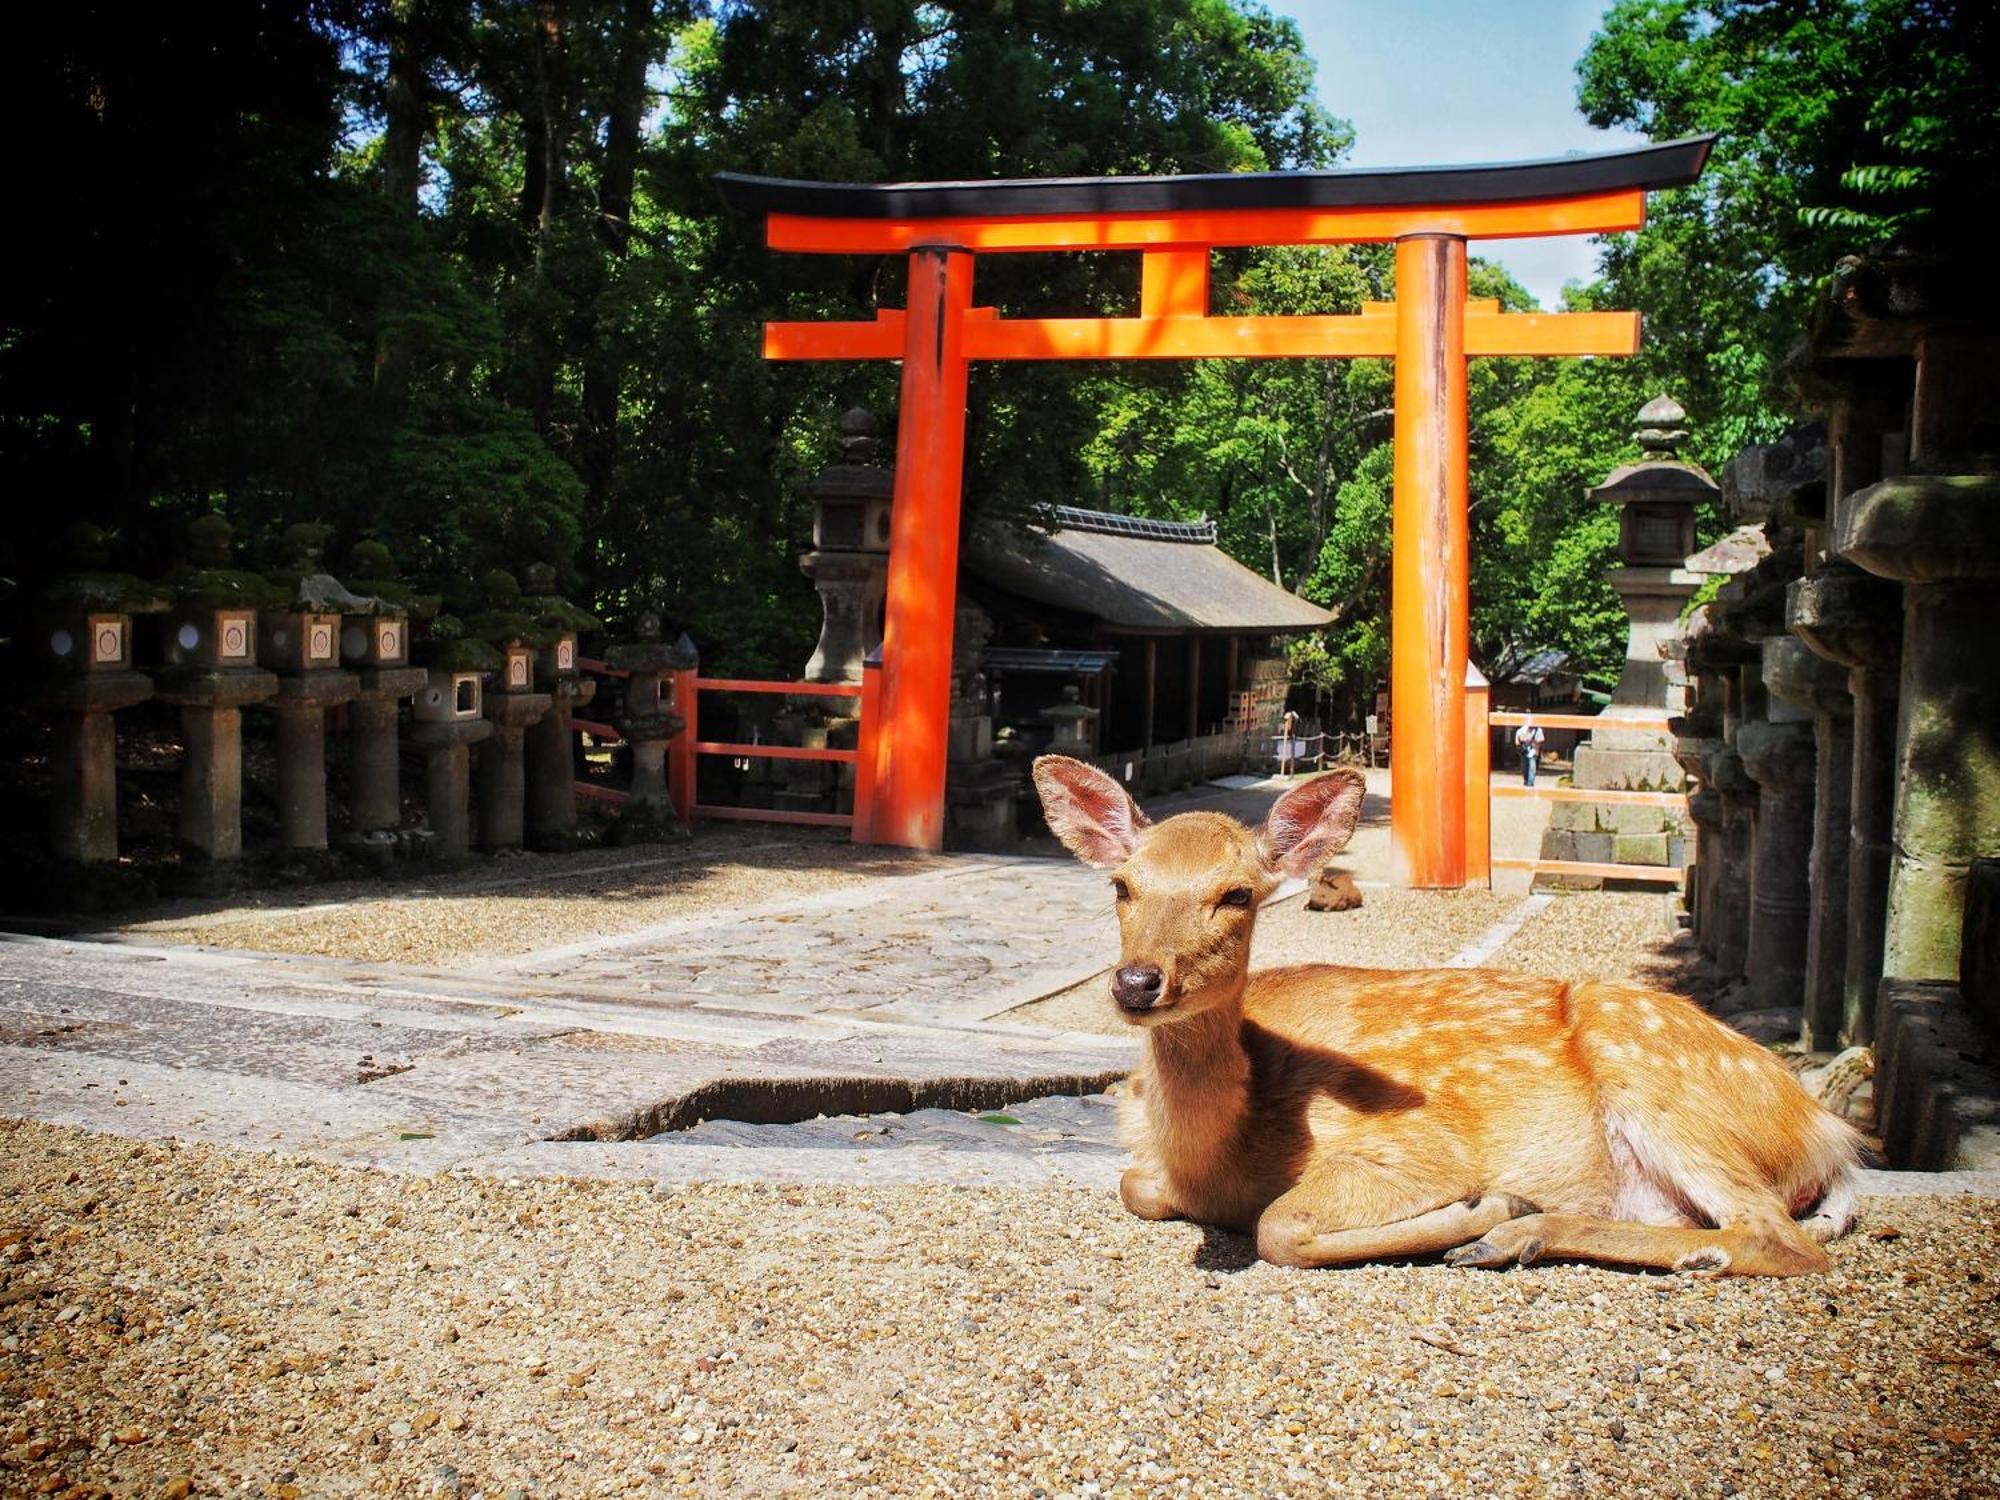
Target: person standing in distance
[1528,740]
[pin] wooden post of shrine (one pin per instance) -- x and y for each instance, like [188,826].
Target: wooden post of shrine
[1429,613]
[908,807]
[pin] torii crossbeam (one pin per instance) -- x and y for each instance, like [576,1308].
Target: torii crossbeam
[1173,223]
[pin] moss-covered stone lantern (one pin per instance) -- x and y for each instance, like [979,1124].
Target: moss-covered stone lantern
[300,641]
[88,634]
[651,716]
[551,740]
[448,719]
[517,637]
[210,671]
[375,645]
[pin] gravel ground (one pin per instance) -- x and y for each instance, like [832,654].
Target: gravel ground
[193,1320]
[525,902]
[1628,936]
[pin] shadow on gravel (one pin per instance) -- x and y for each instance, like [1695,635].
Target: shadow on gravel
[1225,1250]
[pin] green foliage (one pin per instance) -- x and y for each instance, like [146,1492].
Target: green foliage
[454,283]
[1847,126]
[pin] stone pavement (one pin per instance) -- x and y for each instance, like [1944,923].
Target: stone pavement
[962,943]
[876,997]
[390,1067]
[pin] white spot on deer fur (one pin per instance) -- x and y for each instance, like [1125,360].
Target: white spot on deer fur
[1653,1021]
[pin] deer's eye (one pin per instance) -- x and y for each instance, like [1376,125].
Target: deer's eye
[1235,896]
[1120,889]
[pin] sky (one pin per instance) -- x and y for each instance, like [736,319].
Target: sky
[1430,82]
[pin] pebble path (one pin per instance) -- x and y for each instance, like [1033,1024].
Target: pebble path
[180,1320]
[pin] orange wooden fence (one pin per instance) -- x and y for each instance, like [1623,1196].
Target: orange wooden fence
[684,748]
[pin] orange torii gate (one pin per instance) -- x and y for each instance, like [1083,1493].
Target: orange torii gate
[1173,223]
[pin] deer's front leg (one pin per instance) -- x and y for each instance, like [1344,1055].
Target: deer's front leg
[1351,1211]
[1145,1195]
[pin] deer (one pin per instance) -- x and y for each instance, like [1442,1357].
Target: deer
[1341,1115]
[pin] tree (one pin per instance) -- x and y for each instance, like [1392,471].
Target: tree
[1847,126]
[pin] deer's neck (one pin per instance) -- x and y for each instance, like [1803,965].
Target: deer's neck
[1197,1091]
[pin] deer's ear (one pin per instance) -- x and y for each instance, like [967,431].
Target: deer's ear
[1311,823]
[1088,811]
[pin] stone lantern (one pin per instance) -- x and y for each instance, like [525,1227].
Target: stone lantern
[211,673]
[1073,726]
[375,645]
[511,707]
[652,715]
[1656,531]
[88,636]
[849,563]
[980,791]
[1656,499]
[551,741]
[300,641]
[447,719]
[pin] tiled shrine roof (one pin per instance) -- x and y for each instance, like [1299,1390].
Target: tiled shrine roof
[1136,574]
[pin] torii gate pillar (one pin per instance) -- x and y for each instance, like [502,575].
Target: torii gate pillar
[1429,609]
[923,554]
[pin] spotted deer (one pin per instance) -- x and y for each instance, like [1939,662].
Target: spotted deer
[1343,1115]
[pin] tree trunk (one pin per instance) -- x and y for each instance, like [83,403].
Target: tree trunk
[405,128]
[402,178]
[545,138]
[604,368]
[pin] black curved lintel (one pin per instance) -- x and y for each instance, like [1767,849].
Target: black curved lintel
[1661,164]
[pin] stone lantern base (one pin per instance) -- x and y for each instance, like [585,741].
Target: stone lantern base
[447,780]
[84,758]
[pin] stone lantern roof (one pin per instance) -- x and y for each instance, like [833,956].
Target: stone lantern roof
[1662,475]
[1658,494]
[857,475]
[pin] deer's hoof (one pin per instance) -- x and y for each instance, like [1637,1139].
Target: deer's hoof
[1486,1255]
[1704,1263]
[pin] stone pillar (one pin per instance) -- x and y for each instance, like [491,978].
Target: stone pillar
[374,754]
[1855,620]
[502,768]
[447,791]
[374,791]
[84,763]
[1778,755]
[301,707]
[649,770]
[447,780]
[211,813]
[551,764]
[1940,537]
[1798,677]
[1729,903]
[1705,811]
[211,705]
[301,774]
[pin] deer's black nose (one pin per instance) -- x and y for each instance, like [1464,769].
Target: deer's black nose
[1137,986]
